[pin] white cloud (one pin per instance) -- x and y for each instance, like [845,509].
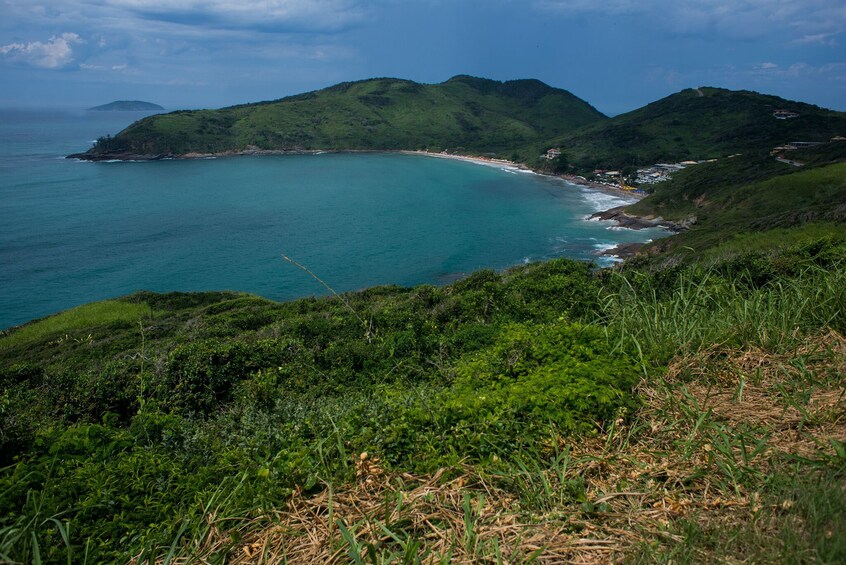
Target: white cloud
[808,20]
[800,70]
[818,38]
[266,15]
[56,53]
[287,15]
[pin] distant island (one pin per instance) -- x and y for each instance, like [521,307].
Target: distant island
[127,106]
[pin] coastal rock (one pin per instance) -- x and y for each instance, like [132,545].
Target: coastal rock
[118,156]
[623,250]
[629,221]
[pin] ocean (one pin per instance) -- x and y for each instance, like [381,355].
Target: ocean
[72,232]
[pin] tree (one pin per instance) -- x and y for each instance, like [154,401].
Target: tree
[560,164]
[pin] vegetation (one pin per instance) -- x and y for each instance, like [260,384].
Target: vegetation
[464,113]
[687,406]
[697,124]
[518,120]
[750,201]
[575,402]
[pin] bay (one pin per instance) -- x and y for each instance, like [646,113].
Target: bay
[74,232]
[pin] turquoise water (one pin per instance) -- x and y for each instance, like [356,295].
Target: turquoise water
[73,232]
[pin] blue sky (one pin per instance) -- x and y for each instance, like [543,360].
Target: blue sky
[618,54]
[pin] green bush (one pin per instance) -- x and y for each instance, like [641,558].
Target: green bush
[201,375]
[561,373]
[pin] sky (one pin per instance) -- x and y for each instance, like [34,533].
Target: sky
[617,54]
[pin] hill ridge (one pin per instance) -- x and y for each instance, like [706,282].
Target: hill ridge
[463,113]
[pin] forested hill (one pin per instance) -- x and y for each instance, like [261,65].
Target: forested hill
[698,123]
[463,113]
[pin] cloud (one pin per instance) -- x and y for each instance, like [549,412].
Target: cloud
[807,20]
[56,53]
[817,38]
[283,16]
[796,73]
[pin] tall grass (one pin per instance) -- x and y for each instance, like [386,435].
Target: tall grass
[706,310]
[89,315]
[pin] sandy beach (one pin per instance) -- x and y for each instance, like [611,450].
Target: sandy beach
[572,179]
[617,215]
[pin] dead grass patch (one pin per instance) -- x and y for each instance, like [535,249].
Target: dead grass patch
[799,397]
[462,520]
[641,477]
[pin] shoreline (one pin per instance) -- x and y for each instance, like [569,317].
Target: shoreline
[621,251]
[256,152]
[572,179]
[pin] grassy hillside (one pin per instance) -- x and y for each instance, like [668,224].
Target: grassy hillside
[473,114]
[750,195]
[688,406]
[694,124]
[547,412]
[517,119]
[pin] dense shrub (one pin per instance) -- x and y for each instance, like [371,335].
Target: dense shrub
[128,433]
[201,375]
[563,374]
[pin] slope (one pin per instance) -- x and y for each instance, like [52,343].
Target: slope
[468,113]
[751,196]
[695,124]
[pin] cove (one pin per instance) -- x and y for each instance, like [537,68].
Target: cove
[76,232]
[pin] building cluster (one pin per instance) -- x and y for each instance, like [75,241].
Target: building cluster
[779,153]
[653,174]
[552,153]
[793,146]
[785,114]
[660,172]
[656,173]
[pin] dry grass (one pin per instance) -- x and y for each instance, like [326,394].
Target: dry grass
[799,397]
[698,449]
[431,510]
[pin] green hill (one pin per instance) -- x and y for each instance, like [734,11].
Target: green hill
[466,113]
[687,407]
[751,200]
[694,124]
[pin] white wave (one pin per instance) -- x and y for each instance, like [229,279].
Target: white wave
[608,260]
[600,247]
[600,201]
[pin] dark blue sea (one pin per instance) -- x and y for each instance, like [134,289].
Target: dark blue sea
[73,232]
